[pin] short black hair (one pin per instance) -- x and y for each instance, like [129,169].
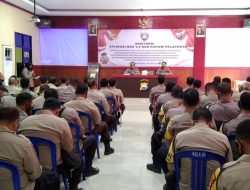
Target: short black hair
[202,114]
[176,91]
[209,86]
[243,131]
[169,86]
[217,79]
[9,114]
[112,82]
[43,79]
[91,83]
[191,97]
[224,88]
[22,98]
[24,82]
[43,87]
[226,79]
[64,79]
[197,83]
[51,93]
[51,104]
[81,88]
[161,79]
[104,82]
[245,101]
[74,81]
[190,80]
[248,79]
[52,79]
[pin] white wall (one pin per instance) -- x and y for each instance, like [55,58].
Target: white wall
[15,20]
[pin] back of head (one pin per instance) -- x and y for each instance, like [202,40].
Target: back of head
[43,79]
[202,114]
[226,79]
[74,82]
[51,93]
[197,83]
[23,98]
[25,83]
[104,82]
[191,97]
[217,79]
[43,88]
[161,79]
[52,104]
[81,89]
[91,83]
[176,91]
[189,80]
[169,86]
[245,86]
[245,101]
[224,88]
[64,80]
[210,87]
[248,79]
[243,131]
[112,82]
[8,114]
[12,80]
[52,79]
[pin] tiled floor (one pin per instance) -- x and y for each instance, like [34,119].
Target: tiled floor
[126,168]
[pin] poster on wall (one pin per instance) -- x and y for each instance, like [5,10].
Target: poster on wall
[146,47]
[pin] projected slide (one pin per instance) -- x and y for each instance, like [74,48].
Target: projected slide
[146,47]
[227,47]
[64,47]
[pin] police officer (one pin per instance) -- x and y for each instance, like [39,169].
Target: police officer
[211,96]
[235,175]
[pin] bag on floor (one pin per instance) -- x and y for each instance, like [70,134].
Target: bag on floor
[49,180]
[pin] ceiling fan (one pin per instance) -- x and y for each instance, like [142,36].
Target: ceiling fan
[34,18]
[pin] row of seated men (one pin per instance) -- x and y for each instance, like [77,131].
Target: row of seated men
[189,118]
[51,121]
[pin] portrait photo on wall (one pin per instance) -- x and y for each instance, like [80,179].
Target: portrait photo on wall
[200,30]
[92,29]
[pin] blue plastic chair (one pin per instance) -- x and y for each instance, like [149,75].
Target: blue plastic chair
[37,141]
[76,128]
[199,159]
[14,172]
[89,117]
[101,110]
[112,100]
[102,113]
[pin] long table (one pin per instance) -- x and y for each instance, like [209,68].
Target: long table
[135,85]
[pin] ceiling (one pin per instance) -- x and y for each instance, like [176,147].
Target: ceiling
[135,7]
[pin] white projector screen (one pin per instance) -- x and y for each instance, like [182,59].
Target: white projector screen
[227,47]
[64,47]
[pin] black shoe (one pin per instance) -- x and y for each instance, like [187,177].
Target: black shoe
[109,151]
[153,168]
[109,140]
[92,171]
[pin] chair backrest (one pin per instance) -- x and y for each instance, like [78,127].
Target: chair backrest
[101,110]
[14,172]
[199,159]
[37,141]
[76,128]
[89,117]
[112,101]
[35,110]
